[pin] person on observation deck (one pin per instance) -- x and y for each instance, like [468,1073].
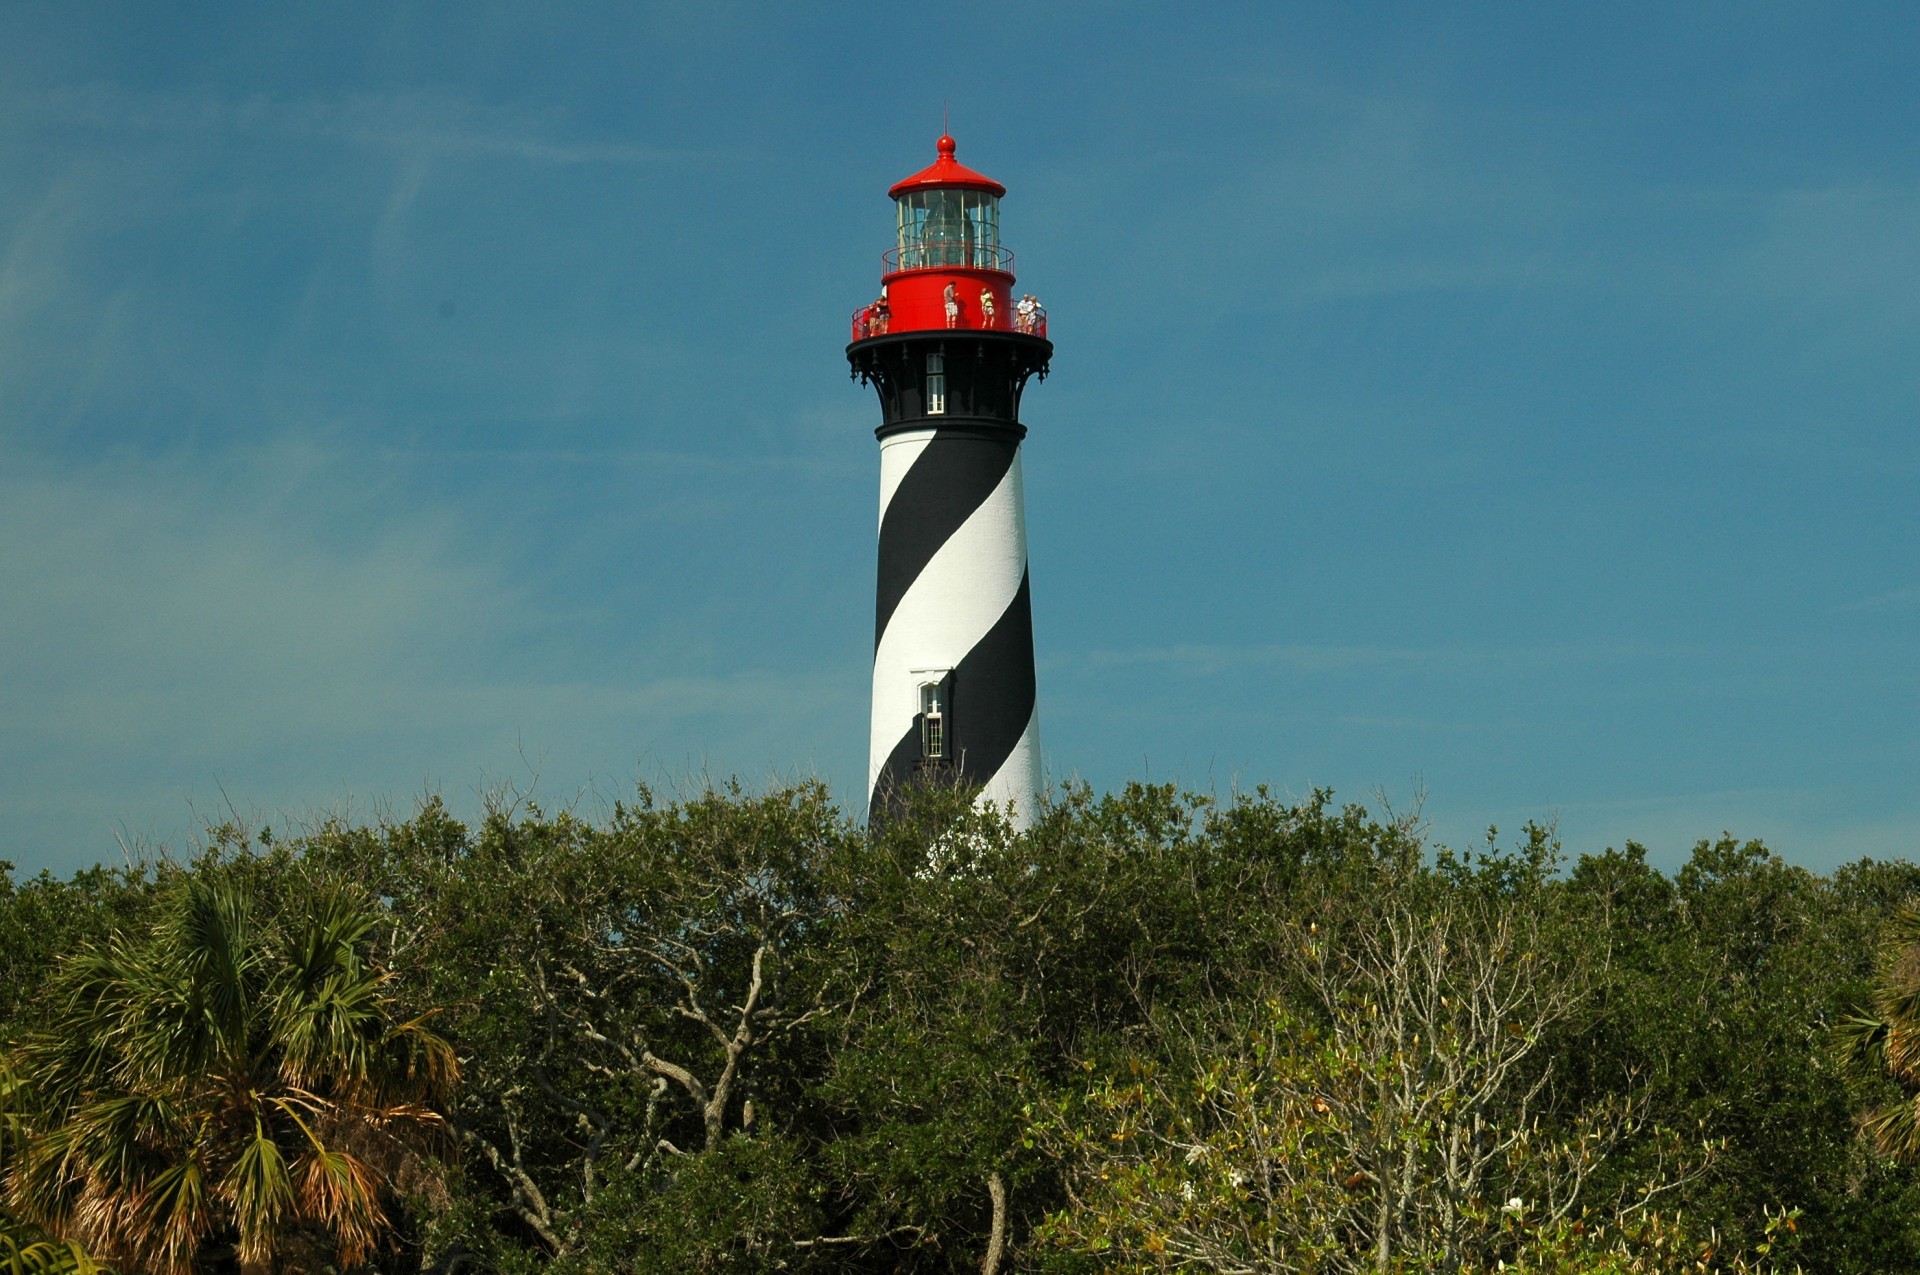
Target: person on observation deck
[986,307]
[953,307]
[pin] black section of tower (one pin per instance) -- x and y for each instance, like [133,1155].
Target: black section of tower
[989,697]
[985,374]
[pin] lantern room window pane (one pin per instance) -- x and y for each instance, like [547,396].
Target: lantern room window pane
[982,213]
[948,228]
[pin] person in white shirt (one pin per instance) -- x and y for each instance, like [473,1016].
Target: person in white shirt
[1023,313]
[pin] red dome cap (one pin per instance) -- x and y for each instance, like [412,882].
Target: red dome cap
[947,173]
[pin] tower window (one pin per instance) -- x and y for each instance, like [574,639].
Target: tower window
[936,384]
[933,722]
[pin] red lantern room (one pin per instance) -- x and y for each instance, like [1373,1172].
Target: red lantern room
[947,268]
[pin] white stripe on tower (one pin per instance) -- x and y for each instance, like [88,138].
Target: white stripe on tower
[897,455]
[953,599]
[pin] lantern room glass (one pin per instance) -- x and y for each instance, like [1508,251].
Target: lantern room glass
[949,228]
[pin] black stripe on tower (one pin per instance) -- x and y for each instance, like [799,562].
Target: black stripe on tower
[993,692]
[953,476]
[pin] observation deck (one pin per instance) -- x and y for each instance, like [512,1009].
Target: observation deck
[947,269]
[871,321]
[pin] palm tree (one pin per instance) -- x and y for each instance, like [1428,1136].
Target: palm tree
[1882,1040]
[213,1084]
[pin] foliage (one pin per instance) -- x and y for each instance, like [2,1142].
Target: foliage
[213,1081]
[1725,982]
[736,1032]
[633,998]
[42,919]
[1881,1040]
[25,1249]
[1391,1115]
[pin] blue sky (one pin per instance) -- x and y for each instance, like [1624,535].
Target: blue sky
[1511,403]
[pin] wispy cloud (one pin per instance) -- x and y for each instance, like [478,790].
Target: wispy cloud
[285,623]
[1904,598]
[1396,191]
[421,123]
[1214,659]
[140,581]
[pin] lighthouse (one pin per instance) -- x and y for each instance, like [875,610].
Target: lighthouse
[949,348]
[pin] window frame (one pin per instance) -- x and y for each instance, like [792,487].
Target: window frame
[935,738]
[936,383]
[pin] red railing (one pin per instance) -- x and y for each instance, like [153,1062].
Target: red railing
[869,322]
[866,323]
[938,255]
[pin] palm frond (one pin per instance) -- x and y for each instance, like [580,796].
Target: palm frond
[258,1189]
[172,1215]
[1903,928]
[26,1250]
[1860,1040]
[123,1139]
[211,945]
[340,1189]
[1895,1129]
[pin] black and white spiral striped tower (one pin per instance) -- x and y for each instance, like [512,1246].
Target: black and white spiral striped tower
[949,350]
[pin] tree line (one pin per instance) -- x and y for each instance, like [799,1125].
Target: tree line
[1156,1031]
